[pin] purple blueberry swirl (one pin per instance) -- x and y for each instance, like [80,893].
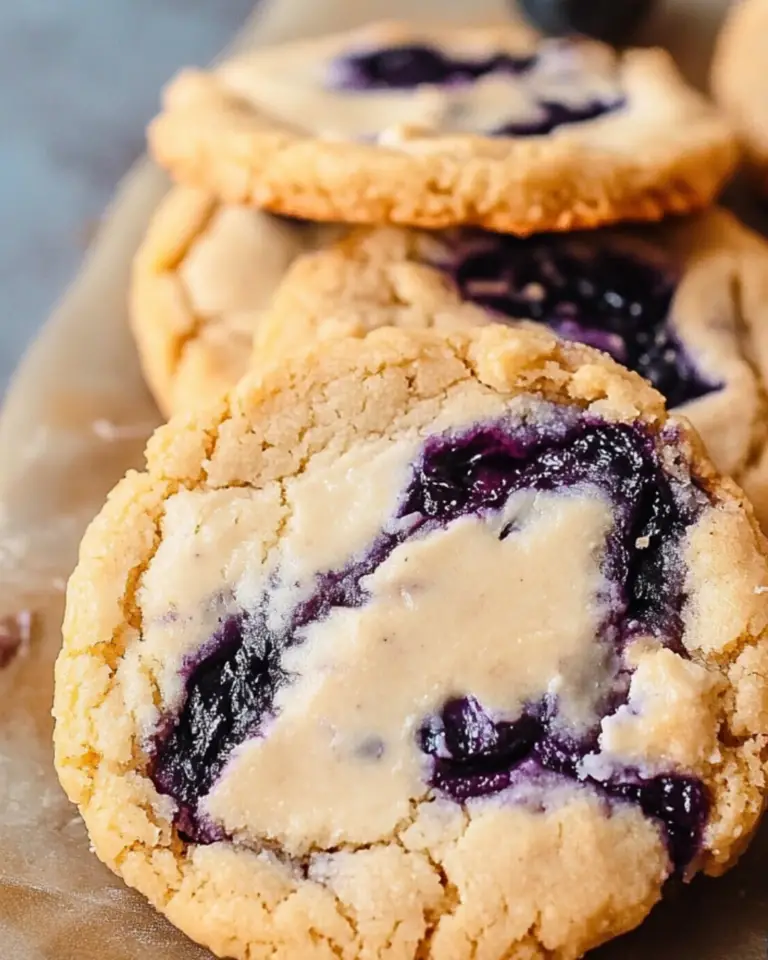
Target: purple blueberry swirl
[408,66]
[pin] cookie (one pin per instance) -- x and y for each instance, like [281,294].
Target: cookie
[685,304]
[491,126]
[418,647]
[739,81]
[201,280]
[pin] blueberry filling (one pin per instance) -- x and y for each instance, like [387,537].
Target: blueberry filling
[553,114]
[603,296]
[231,686]
[475,757]
[410,65]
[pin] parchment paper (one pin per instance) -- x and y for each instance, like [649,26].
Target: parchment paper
[75,419]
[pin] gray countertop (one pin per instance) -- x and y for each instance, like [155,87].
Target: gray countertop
[78,81]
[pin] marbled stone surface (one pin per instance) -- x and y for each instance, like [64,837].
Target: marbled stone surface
[78,81]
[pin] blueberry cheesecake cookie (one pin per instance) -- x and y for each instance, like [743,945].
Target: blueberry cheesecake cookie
[684,304]
[421,646]
[433,127]
[200,282]
[740,83]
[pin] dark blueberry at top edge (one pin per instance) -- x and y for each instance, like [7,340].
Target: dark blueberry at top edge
[610,20]
[406,66]
[589,291]
[232,684]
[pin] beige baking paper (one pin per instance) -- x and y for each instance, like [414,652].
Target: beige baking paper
[75,419]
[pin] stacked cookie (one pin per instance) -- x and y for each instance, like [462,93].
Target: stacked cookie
[435,636]
[593,138]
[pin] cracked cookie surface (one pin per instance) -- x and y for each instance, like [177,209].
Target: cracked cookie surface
[376,648]
[200,283]
[491,126]
[683,304]
[739,81]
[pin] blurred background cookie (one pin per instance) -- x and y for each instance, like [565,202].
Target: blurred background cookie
[685,304]
[201,280]
[740,81]
[491,126]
